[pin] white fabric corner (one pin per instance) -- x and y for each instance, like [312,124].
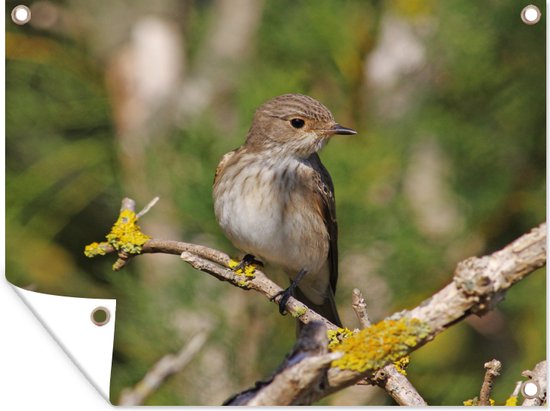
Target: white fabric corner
[68,319]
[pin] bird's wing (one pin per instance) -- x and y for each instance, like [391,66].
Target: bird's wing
[223,163]
[325,189]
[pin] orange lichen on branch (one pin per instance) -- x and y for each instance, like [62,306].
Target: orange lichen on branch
[381,343]
[125,236]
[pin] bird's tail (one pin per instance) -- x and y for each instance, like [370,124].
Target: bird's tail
[327,309]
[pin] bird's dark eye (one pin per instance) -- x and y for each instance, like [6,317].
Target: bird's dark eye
[297,122]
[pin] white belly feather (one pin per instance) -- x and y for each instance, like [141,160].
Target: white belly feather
[255,220]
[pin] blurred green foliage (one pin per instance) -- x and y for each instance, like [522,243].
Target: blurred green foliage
[477,101]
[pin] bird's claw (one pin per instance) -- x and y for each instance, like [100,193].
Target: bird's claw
[247,266]
[285,296]
[288,292]
[247,261]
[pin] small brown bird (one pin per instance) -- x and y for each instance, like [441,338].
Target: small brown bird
[274,199]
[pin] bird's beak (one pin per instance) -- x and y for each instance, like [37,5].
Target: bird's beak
[338,129]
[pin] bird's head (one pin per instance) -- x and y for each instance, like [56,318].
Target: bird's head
[293,124]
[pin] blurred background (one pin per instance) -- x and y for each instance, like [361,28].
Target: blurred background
[139,98]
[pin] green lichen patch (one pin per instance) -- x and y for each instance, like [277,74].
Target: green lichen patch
[379,344]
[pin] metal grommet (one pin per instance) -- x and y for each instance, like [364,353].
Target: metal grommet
[531,14]
[21,14]
[100,316]
[530,389]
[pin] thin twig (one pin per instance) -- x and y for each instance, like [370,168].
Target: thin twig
[166,366]
[148,207]
[128,204]
[512,400]
[493,371]
[360,307]
[517,388]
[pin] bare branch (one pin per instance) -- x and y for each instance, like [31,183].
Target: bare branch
[148,207]
[166,366]
[538,376]
[260,282]
[302,373]
[128,204]
[493,371]
[295,385]
[480,282]
[477,285]
[399,387]
[360,307]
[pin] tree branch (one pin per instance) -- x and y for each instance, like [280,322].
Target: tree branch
[477,285]
[389,378]
[493,371]
[216,263]
[539,376]
[302,372]
[360,307]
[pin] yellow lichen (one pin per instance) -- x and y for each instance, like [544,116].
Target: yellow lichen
[335,337]
[125,236]
[93,249]
[375,346]
[249,269]
[474,402]
[299,312]
[511,401]
[242,283]
[402,364]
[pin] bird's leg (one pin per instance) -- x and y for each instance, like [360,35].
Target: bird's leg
[247,260]
[288,292]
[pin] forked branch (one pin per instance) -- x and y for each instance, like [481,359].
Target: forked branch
[477,285]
